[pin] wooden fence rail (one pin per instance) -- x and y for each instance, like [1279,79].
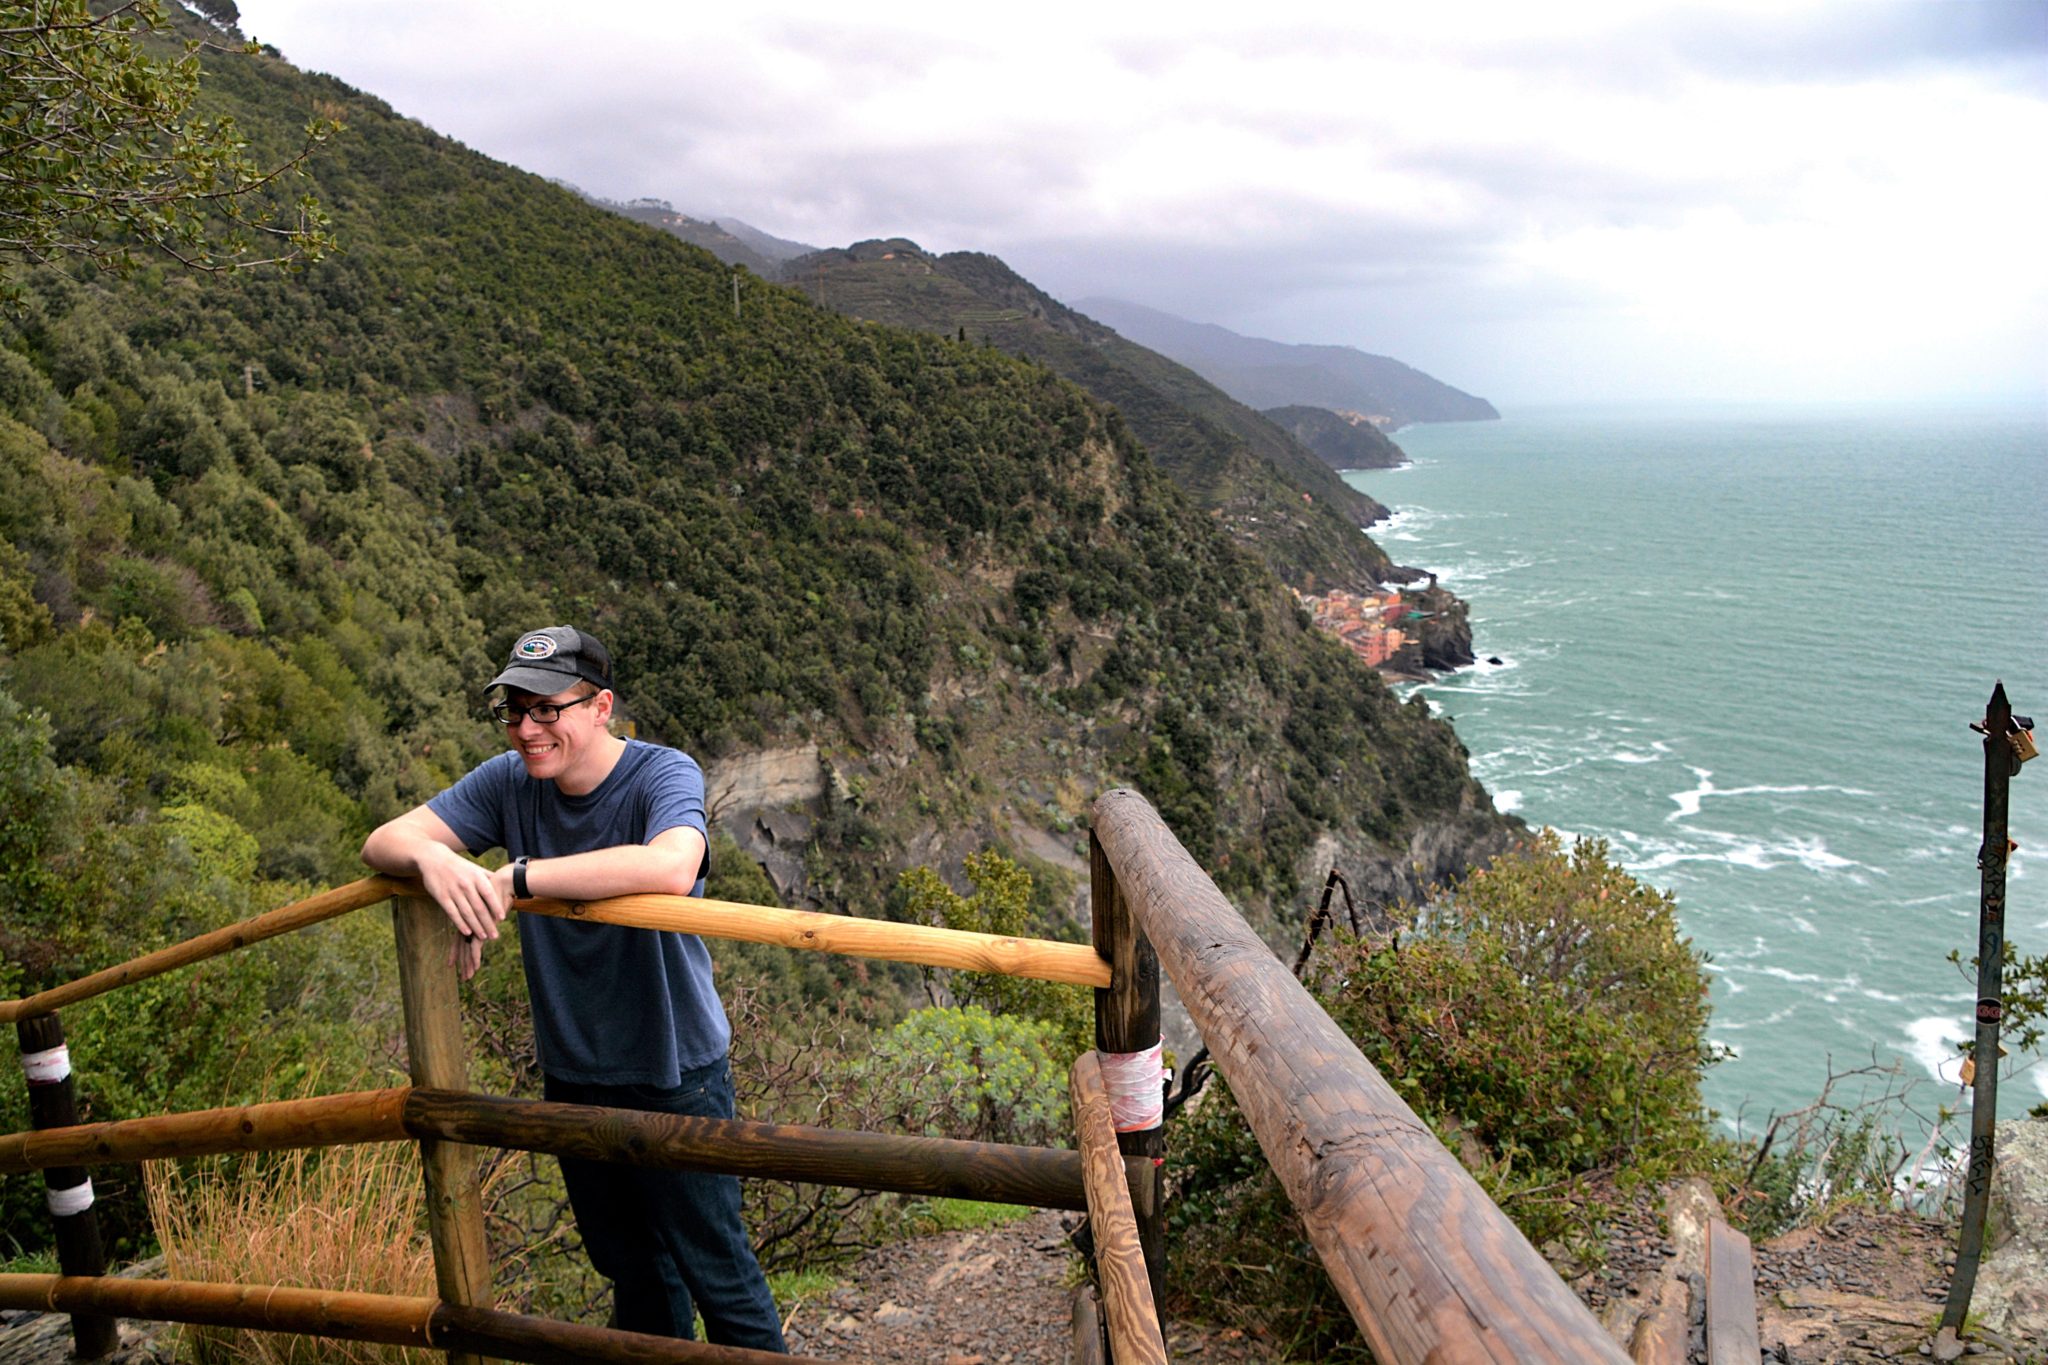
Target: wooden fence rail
[1430,1268]
[390,1319]
[920,945]
[1042,1177]
[298,915]
[923,945]
[448,1122]
[1132,1313]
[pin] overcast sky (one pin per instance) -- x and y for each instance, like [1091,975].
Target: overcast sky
[1537,203]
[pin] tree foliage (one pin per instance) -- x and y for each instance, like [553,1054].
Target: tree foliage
[1000,904]
[103,152]
[1545,1017]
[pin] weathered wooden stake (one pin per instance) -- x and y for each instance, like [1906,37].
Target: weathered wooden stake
[53,1103]
[1127,1021]
[1130,1311]
[438,1058]
[1998,765]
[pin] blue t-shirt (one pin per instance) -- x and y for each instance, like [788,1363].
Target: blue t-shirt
[612,1005]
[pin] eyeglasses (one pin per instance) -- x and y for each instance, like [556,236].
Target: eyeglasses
[543,712]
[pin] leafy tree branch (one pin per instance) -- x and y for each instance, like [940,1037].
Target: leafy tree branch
[102,155]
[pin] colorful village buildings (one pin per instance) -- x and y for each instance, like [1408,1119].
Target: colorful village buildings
[1364,623]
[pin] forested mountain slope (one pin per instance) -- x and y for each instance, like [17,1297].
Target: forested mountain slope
[1231,461]
[1344,440]
[265,535]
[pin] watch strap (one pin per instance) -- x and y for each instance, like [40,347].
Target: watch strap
[519,891]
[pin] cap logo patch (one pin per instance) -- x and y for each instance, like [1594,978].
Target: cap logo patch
[535,647]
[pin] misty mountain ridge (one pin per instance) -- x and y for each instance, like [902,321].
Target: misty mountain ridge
[1257,373]
[777,249]
[1271,374]
[729,239]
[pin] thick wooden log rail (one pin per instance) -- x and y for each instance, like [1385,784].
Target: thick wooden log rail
[1428,1266]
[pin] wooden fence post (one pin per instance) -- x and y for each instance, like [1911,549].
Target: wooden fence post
[53,1103]
[438,1058]
[2000,762]
[1127,1021]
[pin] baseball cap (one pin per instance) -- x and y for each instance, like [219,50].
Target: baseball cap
[547,660]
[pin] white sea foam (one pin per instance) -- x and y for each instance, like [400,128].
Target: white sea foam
[1625,756]
[1771,1020]
[1507,801]
[1689,802]
[1787,974]
[1931,1041]
[1750,855]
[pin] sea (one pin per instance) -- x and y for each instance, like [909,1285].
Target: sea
[1743,645]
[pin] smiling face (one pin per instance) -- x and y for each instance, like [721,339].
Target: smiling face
[576,751]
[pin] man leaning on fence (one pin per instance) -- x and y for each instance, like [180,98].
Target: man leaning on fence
[623,1017]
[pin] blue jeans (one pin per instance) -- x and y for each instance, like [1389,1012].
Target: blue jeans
[670,1240]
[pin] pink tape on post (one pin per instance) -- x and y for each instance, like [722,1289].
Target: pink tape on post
[1136,1082]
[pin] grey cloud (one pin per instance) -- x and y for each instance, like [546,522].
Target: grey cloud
[1875,38]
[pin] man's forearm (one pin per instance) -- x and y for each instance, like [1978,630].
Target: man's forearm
[401,851]
[628,870]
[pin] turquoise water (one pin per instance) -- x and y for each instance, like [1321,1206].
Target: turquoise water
[1743,646]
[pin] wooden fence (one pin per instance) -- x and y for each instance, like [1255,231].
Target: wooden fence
[1431,1269]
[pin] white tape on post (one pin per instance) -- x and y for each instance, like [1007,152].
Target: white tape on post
[48,1066]
[1136,1082]
[65,1203]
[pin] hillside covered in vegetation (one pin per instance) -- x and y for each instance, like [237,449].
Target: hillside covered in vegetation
[267,533]
[1272,493]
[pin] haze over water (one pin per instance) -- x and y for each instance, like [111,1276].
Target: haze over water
[1743,645]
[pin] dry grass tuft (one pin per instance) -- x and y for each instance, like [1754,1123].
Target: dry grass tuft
[344,1218]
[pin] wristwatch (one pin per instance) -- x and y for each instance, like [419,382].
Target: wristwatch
[519,891]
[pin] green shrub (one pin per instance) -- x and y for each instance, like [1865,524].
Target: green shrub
[1003,903]
[1548,1008]
[1545,1017]
[965,1073]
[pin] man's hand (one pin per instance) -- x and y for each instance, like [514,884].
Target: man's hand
[475,901]
[465,955]
[420,844]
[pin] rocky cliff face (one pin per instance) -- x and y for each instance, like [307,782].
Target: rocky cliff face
[2012,1287]
[1446,630]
